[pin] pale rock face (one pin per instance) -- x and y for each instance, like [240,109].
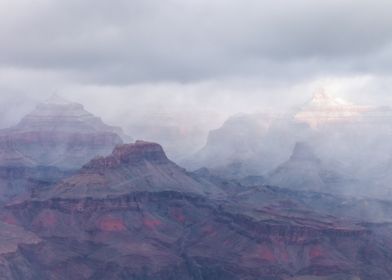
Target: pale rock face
[324,109]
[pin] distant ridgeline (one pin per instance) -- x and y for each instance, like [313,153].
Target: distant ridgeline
[57,137]
[353,144]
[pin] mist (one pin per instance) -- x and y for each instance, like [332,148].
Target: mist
[195,139]
[173,73]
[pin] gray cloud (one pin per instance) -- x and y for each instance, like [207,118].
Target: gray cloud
[122,41]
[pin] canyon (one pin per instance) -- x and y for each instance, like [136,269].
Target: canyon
[132,213]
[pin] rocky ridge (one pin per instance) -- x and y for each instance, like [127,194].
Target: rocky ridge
[137,167]
[57,133]
[99,224]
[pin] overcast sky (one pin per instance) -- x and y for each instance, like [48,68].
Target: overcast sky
[191,62]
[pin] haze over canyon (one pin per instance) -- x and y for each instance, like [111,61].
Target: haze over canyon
[82,202]
[195,140]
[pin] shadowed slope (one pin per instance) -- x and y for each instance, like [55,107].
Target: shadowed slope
[137,167]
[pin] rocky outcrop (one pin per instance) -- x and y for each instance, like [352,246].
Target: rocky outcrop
[13,265]
[57,133]
[12,235]
[130,154]
[304,170]
[137,167]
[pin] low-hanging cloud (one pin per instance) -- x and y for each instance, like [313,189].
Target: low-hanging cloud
[129,41]
[191,64]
